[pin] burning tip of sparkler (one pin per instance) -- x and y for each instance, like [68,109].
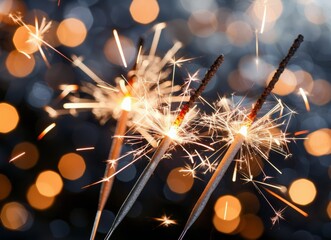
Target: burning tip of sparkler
[172,133]
[243,130]
[126,103]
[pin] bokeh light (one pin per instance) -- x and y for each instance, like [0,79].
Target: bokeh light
[250,202]
[6,186]
[9,117]
[71,32]
[15,216]
[321,92]
[144,11]
[318,143]
[225,226]
[28,159]
[49,183]
[37,200]
[251,226]
[286,84]
[179,182]
[19,65]
[71,166]
[203,23]
[227,207]
[328,209]
[24,41]
[302,191]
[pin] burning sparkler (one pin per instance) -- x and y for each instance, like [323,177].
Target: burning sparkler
[162,148]
[243,133]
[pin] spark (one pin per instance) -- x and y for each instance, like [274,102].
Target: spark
[287,202]
[46,130]
[160,152]
[278,216]
[37,37]
[84,149]
[301,132]
[256,49]
[78,62]
[119,46]
[16,157]
[166,221]
[264,16]
[157,33]
[305,99]
[225,210]
[239,138]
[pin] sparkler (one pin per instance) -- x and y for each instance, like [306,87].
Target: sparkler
[238,141]
[162,149]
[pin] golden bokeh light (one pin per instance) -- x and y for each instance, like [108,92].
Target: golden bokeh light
[302,191]
[71,32]
[71,166]
[49,183]
[203,23]
[9,117]
[179,182]
[20,65]
[321,92]
[239,33]
[24,41]
[328,209]
[227,207]
[37,200]
[315,13]
[250,202]
[286,84]
[318,143]
[14,216]
[28,159]
[225,226]
[304,80]
[251,226]
[144,11]
[6,186]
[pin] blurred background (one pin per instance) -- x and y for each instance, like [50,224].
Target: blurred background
[41,189]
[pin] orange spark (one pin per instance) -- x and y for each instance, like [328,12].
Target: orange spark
[46,130]
[301,132]
[305,99]
[14,158]
[287,202]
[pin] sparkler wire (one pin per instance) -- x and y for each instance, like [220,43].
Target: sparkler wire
[161,150]
[114,154]
[237,142]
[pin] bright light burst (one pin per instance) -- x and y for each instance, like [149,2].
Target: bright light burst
[267,133]
[165,221]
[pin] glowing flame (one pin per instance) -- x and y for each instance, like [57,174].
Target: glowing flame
[172,133]
[126,103]
[243,130]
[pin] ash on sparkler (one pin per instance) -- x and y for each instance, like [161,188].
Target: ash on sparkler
[238,139]
[162,149]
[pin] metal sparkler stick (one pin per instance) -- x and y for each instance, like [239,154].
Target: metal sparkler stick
[161,150]
[238,141]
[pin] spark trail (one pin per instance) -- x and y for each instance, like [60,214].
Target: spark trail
[162,148]
[238,141]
